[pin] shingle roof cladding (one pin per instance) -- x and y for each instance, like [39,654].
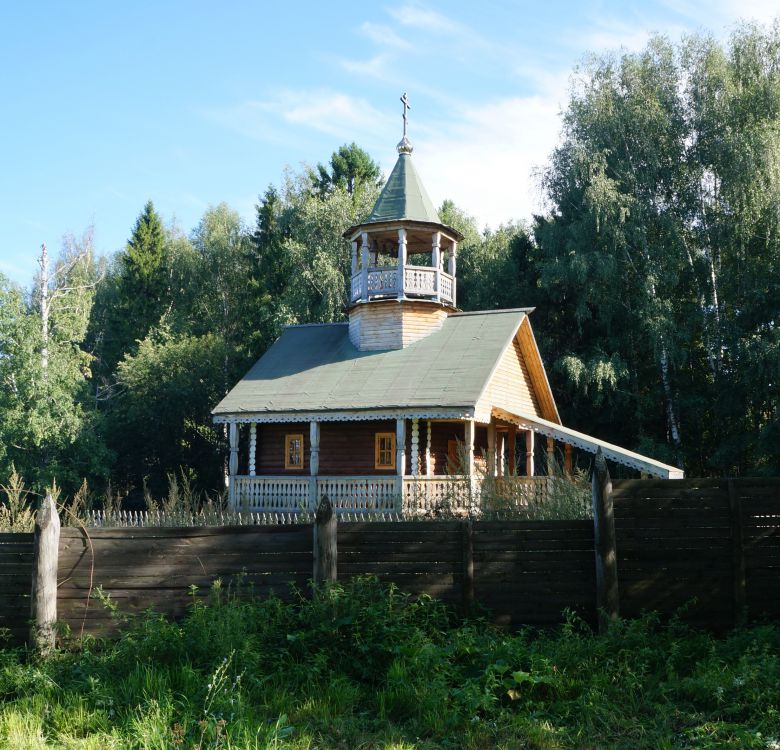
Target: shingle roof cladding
[403,196]
[317,368]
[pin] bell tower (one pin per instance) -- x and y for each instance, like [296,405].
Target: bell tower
[404,262]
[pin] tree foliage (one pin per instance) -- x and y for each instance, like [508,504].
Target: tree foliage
[655,278]
[660,260]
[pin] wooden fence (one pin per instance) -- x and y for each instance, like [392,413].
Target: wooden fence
[711,546]
[16,564]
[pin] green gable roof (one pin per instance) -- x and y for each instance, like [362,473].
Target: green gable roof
[403,196]
[316,368]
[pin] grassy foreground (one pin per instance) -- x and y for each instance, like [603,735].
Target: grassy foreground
[363,666]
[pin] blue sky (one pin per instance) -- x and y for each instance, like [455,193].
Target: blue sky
[107,105]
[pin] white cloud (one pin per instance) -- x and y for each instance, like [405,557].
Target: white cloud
[327,111]
[376,66]
[384,35]
[419,17]
[321,110]
[487,159]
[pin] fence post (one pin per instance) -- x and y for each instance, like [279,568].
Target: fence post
[467,545]
[325,547]
[607,598]
[46,543]
[738,555]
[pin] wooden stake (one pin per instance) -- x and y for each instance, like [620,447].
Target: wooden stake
[607,597]
[325,547]
[46,543]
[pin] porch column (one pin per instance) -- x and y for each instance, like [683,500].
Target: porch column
[415,457]
[401,262]
[354,257]
[314,461]
[529,453]
[512,464]
[550,455]
[252,448]
[491,450]
[501,453]
[452,268]
[469,447]
[567,459]
[364,266]
[233,464]
[400,455]
[428,468]
[436,263]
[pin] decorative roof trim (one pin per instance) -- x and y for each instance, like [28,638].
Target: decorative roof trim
[342,416]
[547,398]
[380,226]
[591,445]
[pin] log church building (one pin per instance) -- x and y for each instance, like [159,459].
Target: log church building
[409,402]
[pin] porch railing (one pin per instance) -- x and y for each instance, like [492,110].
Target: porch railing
[415,495]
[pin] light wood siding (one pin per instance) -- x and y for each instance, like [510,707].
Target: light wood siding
[389,324]
[376,326]
[510,388]
[420,320]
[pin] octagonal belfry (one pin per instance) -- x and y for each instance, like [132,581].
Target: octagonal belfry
[403,282]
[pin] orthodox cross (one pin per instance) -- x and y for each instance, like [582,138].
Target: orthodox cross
[407,106]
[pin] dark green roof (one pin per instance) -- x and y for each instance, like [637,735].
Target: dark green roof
[403,196]
[315,368]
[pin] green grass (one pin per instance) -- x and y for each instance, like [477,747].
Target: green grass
[363,666]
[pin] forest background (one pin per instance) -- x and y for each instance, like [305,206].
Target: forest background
[655,274]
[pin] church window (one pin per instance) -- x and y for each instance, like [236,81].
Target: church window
[384,450]
[293,451]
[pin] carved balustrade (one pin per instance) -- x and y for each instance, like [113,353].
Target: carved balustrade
[418,282]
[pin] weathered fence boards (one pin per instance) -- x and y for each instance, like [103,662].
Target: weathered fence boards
[710,546]
[421,557]
[760,524]
[16,564]
[528,572]
[156,568]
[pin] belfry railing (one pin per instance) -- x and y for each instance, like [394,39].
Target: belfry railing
[416,282]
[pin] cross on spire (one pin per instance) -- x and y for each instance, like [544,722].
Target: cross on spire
[407,106]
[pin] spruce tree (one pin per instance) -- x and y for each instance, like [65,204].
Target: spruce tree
[136,293]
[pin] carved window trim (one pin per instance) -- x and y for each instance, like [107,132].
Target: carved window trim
[384,442]
[293,451]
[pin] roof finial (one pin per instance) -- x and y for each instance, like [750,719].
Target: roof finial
[405,146]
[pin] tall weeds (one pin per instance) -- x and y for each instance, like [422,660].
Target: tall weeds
[17,508]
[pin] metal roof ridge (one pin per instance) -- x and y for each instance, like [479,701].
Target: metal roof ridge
[526,310]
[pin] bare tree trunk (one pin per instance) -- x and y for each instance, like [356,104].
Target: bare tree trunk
[671,416]
[43,262]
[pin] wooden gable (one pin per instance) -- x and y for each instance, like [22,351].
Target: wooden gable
[518,383]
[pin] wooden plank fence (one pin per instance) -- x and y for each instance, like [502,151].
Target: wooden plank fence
[157,567]
[710,546]
[16,561]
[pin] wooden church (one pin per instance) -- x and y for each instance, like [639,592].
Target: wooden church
[410,402]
